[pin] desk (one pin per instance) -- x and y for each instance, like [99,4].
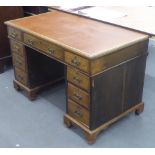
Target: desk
[103,66]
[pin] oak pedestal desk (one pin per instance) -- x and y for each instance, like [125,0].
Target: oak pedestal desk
[103,65]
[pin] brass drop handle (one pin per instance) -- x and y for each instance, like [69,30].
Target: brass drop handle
[77,96]
[50,50]
[78,113]
[19,63]
[14,34]
[75,61]
[16,48]
[77,79]
[30,42]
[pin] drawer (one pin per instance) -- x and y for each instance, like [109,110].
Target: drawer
[14,33]
[78,112]
[20,76]
[19,62]
[17,48]
[77,61]
[46,47]
[78,95]
[79,79]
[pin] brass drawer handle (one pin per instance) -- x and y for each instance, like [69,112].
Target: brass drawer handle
[51,51]
[16,48]
[18,63]
[30,42]
[75,61]
[78,113]
[77,79]
[77,96]
[14,34]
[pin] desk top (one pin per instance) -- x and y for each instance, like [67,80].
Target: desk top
[86,37]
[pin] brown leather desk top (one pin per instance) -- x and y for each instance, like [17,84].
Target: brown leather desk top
[84,36]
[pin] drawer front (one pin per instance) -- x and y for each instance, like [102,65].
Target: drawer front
[17,48]
[77,61]
[78,112]
[19,62]
[46,47]
[14,33]
[78,95]
[20,76]
[79,79]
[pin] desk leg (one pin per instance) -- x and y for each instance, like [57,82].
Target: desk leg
[16,86]
[140,109]
[31,94]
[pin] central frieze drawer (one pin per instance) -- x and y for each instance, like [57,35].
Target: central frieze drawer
[45,46]
[77,78]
